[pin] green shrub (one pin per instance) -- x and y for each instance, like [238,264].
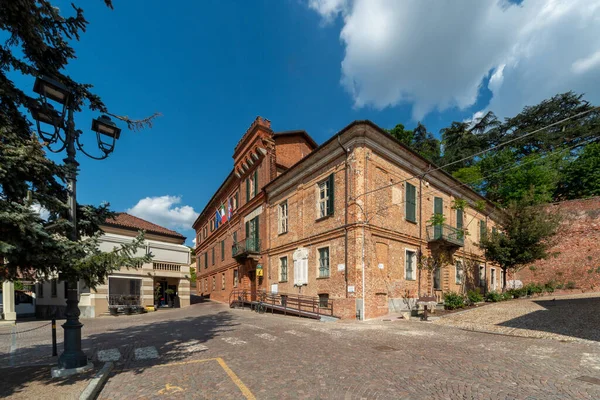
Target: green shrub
[506,296]
[516,293]
[474,296]
[452,301]
[533,288]
[494,297]
[549,288]
[571,285]
[560,286]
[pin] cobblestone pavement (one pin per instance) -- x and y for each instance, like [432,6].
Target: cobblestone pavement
[210,351]
[566,318]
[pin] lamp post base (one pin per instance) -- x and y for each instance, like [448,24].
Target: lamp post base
[58,372]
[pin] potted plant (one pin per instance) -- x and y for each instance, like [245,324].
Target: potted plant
[157,296]
[127,310]
[113,310]
[170,293]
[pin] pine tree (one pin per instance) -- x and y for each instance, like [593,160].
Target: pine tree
[32,247]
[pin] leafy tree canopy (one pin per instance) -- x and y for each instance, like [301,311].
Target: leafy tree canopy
[526,233]
[38,43]
[556,163]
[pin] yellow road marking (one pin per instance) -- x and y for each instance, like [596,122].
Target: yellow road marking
[245,391]
[238,382]
[170,388]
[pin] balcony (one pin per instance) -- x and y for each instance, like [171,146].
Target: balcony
[246,249]
[446,235]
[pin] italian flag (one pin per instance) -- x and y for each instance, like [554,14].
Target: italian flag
[223,214]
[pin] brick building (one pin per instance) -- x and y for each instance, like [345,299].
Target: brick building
[350,214]
[577,252]
[231,246]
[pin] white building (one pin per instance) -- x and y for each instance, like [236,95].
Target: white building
[148,285]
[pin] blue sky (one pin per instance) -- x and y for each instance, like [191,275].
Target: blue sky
[210,67]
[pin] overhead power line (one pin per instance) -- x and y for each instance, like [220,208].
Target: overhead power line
[500,169]
[481,152]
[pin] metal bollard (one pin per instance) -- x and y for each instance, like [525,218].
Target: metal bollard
[54,352]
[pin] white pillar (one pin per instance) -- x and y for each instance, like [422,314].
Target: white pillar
[8,301]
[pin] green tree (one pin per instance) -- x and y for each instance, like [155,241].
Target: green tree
[526,233]
[581,178]
[461,140]
[426,144]
[401,134]
[38,43]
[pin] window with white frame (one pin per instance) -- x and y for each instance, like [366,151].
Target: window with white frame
[325,197]
[459,273]
[223,281]
[324,262]
[282,217]
[301,267]
[410,265]
[493,278]
[283,269]
[235,278]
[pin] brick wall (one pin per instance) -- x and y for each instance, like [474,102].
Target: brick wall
[578,260]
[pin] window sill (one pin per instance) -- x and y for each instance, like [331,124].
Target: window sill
[324,277]
[410,280]
[282,233]
[283,281]
[323,218]
[412,222]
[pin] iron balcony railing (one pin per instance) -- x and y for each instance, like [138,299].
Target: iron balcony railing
[250,245]
[446,233]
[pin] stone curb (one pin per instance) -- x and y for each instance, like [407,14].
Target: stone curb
[95,386]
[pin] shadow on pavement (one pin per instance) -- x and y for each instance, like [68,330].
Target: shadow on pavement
[171,339]
[577,318]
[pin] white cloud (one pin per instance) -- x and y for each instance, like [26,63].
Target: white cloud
[44,214]
[436,54]
[194,241]
[163,211]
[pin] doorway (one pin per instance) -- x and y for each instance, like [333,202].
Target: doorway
[252,277]
[493,278]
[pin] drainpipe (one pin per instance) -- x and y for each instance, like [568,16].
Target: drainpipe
[364,239]
[346,151]
[485,288]
[420,231]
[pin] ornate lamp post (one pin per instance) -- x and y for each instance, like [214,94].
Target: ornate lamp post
[73,359]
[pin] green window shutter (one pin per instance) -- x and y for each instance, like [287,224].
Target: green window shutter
[411,203]
[482,229]
[459,219]
[256,234]
[247,189]
[213,256]
[331,190]
[247,229]
[255,181]
[438,205]
[222,250]
[206,259]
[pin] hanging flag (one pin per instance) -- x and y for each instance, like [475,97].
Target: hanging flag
[229,209]
[217,218]
[223,215]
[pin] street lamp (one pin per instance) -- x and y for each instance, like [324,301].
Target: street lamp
[73,359]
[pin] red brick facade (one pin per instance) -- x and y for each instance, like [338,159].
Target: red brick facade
[578,258]
[259,157]
[371,168]
[347,225]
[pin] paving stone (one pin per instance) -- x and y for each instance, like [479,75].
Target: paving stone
[146,353]
[109,355]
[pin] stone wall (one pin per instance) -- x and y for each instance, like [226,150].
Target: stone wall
[578,248]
